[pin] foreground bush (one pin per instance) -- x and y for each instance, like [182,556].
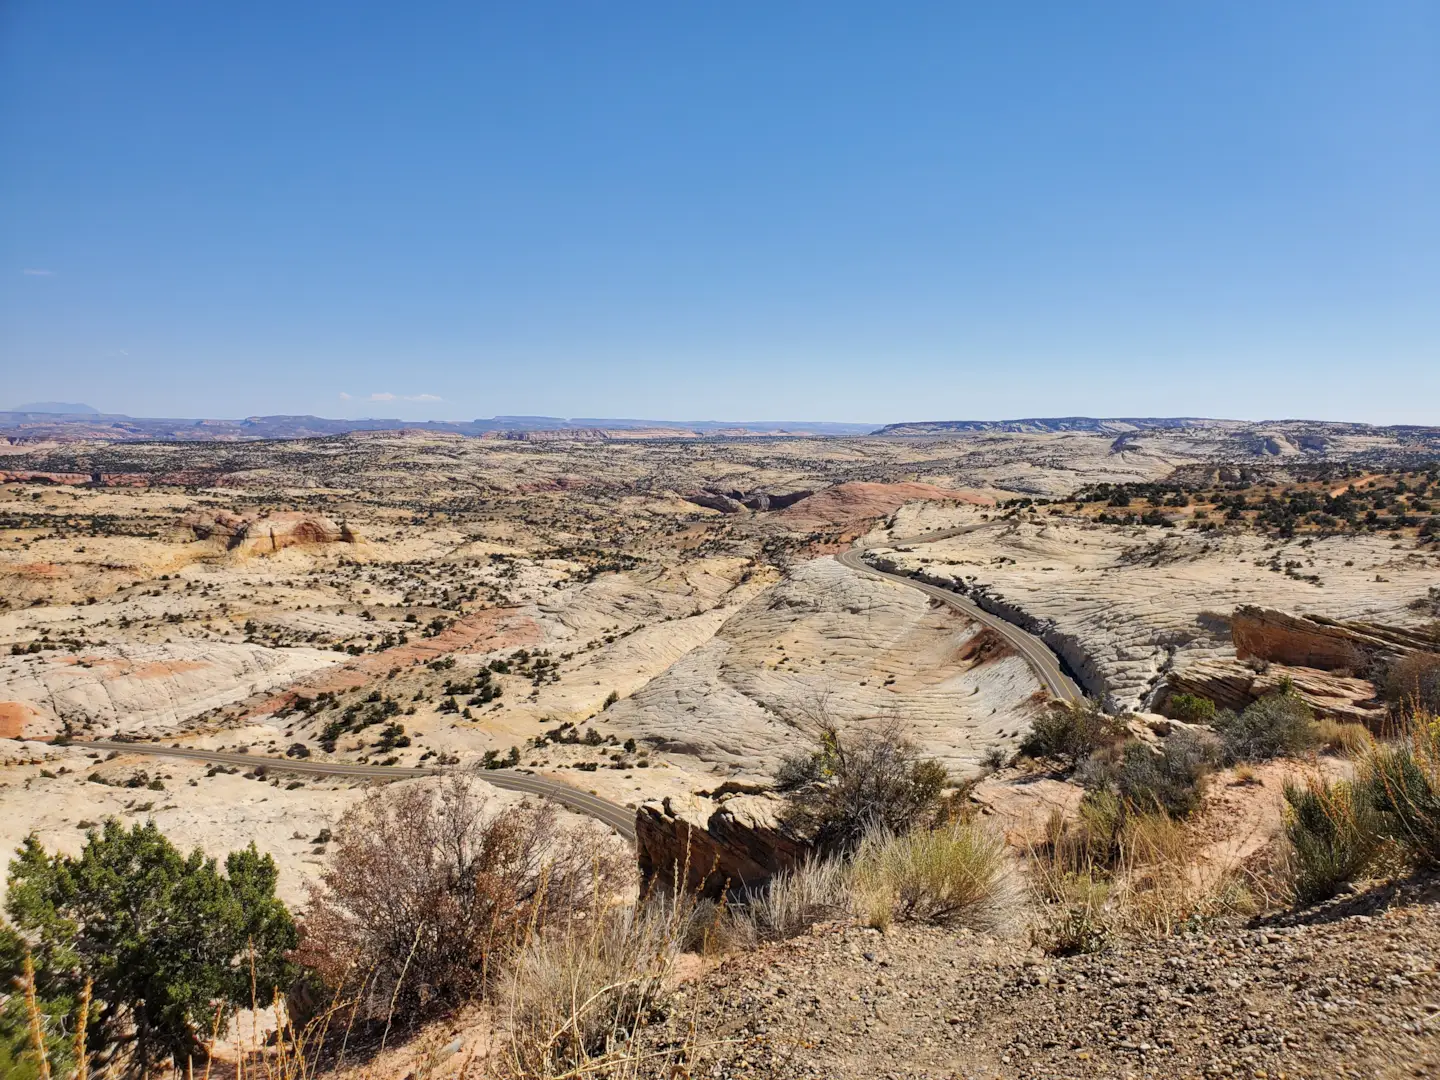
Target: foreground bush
[165,939]
[864,781]
[1278,725]
[1412,683]
[1071,733]
[427,889]
[1116,868]
[1169,779]
[946,875]
[1333,836]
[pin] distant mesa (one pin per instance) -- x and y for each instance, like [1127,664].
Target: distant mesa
[1117,425]
[57,408]
[66,422]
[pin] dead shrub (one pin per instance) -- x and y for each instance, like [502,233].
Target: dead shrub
[1412,683]
[427,887]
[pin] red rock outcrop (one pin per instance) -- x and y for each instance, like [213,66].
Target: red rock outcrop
[1233,684]
[11,477]
[735,841]
[269,533]
[846,504]
[1315,642]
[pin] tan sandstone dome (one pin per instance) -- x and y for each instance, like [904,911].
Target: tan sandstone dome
[268,533]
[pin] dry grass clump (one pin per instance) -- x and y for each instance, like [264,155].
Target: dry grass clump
[795,900]
[1346,739]
[1115,869]
[955,874]
[582,998]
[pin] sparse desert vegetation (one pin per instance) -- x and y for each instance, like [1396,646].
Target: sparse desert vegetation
[817,768]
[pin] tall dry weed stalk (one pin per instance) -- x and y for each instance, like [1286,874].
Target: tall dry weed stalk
[82,1027]
[34,1021]
[586,999]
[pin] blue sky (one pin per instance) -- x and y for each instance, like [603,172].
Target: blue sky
[842,211]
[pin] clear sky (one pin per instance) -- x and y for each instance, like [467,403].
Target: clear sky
[842,211]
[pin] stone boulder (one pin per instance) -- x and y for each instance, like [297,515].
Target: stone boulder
[736,841]
[1312,641]
[1232,684]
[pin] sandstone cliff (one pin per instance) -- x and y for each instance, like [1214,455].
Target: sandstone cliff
[708,845]
[1317,642]
[1232,684]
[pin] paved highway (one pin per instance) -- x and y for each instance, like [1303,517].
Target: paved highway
[1036,653]
[619,818]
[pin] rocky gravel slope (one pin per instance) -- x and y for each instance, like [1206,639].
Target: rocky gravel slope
[1354,993]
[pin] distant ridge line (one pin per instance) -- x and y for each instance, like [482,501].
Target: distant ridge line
[34,422]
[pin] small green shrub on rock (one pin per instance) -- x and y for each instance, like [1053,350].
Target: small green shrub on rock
[1191,709]
[1071,733]
[1279,725]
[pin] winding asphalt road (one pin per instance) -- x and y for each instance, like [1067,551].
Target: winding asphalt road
[619,818]
[1036,653]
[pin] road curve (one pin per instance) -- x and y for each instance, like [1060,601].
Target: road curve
[619,818]
[1035,652]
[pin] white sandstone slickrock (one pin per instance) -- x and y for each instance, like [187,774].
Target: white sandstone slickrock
[145,688]
[1137,601]
[827,641]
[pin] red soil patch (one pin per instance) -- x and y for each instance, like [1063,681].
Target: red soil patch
[13,715]
[484,631]
[162,669]
[40,570]
[984,647]
[847,504]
